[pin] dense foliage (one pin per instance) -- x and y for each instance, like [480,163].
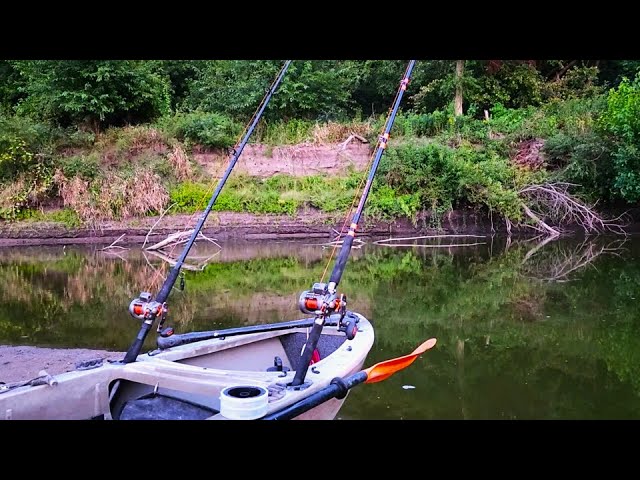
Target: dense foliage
[100,120]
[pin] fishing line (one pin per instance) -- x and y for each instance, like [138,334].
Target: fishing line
[157,273]
[358,192]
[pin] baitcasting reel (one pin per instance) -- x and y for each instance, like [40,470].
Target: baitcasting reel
[313,301]
[143,308]
[319,301]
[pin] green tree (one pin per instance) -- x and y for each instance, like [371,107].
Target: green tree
[310,90]
[94,93]
[375,82]
[10,85]
[621,121]
[485,83]
[181,73]
[458,110]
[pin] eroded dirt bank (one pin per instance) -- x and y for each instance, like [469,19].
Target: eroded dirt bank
[229,225]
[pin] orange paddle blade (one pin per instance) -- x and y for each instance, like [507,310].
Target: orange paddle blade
[383,370]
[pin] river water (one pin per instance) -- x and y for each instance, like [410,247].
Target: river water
[525,330]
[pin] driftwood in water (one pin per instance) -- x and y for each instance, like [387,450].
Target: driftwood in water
[387,242]
[146,238]
[186,266]
[357,243]
[446,245]
[174,238]
[113,245]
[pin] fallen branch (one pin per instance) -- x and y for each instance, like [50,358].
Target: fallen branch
[344,144]
[357,243]
[146,238]
[186,266]
[432,246]
[116,254]
[113,245]
[173,238]
[557,205]
[202,235]
[533,251]
[557,264]
[551,231]
[378,242]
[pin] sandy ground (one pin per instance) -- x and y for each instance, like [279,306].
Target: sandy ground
[24,363]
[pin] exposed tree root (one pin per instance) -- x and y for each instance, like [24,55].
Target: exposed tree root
[551,209]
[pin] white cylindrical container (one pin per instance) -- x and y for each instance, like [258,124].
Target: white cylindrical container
[244,402]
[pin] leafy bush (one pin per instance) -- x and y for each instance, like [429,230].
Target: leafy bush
[385,203]
[285,133]
[621,122]
[15,158]
[66,216]
[440,178]
[414,125]
[200,128]
[190,197]
[508,120]
[87,167]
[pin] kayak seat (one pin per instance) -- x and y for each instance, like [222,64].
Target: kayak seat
[293,343]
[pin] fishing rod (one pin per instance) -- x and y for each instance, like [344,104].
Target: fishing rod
[144,307]
[322,300]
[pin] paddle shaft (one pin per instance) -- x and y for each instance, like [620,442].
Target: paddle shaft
[343,256]
[170,281]
[337,389]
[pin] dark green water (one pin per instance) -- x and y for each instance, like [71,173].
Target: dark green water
[525,330]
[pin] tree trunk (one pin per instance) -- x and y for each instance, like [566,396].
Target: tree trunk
[458,100]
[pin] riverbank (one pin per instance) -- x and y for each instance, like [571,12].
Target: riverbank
[19,363]
[308,223]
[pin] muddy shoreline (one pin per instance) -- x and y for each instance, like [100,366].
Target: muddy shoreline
[229,225]
[19,363]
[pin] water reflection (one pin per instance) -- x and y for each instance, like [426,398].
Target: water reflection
[526,329]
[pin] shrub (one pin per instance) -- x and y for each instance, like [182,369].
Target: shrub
[87,167]
[210,130]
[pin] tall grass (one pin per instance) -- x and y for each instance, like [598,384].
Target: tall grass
[114,196]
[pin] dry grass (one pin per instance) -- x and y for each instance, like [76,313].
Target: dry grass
[332,132]
[113,196]
[180,163]
[145,138]
[117,145]
[22,193]
[76,195]
[135,196]
[8,193]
